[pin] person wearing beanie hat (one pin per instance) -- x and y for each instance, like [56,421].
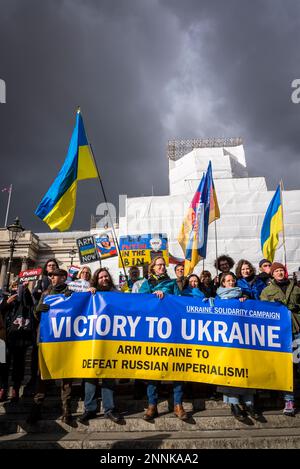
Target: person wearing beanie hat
[265,271]
[275,266]
[285,291]
[264,261]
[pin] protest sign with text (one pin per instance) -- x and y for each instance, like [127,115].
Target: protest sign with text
[114,335]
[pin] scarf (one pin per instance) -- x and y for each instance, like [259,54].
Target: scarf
[229,293]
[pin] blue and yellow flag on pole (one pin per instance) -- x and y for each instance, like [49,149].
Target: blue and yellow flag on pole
[272,226]
[57,207]
[203,210]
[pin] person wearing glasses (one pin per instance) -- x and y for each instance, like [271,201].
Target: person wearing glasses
[44,283]
[223,264]
[159,283]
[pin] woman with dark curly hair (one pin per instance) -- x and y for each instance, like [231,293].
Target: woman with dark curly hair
[224,264]
[250,284]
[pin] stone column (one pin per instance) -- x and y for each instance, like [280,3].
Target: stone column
[3,273]
[24,263]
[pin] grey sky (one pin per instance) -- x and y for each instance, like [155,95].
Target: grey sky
[143,71]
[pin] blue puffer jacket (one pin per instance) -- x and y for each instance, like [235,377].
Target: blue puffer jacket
[166,286]
[251,289]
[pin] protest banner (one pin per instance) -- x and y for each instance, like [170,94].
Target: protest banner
[137,250]
[87,250]
[113,335]
[30,275]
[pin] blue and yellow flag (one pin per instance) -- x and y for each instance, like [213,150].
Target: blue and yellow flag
[203,210]
[57,207]
[272,226]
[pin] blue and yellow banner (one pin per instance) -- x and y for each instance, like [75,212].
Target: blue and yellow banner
[112,335]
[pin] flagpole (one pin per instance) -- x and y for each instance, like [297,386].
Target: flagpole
[107,206]
[8,205]
[216,245]
[283,232]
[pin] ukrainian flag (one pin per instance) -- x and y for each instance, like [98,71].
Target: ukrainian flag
[272,226]
[57,207]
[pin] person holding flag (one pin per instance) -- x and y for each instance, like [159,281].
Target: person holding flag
[203,210]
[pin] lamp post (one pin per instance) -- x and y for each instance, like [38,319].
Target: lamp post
[72,254]
[14,230]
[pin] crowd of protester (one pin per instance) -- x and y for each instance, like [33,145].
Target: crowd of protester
[21,308]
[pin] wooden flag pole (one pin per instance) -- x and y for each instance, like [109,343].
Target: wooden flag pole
[283,232]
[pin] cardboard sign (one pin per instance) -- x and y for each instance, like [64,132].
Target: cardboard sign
[138,250]
[87,250]
[72,272]
[79,285]
[30,275]
[105,245]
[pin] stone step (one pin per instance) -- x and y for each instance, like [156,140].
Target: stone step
[235,439]
[52,404]
[208,420]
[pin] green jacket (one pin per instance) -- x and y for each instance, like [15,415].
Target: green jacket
[291,299]
[59,289]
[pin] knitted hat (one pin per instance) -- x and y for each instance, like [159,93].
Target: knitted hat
[275,266]
[263,261]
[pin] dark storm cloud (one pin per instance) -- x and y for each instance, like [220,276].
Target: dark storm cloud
[143,72]
[248,53]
